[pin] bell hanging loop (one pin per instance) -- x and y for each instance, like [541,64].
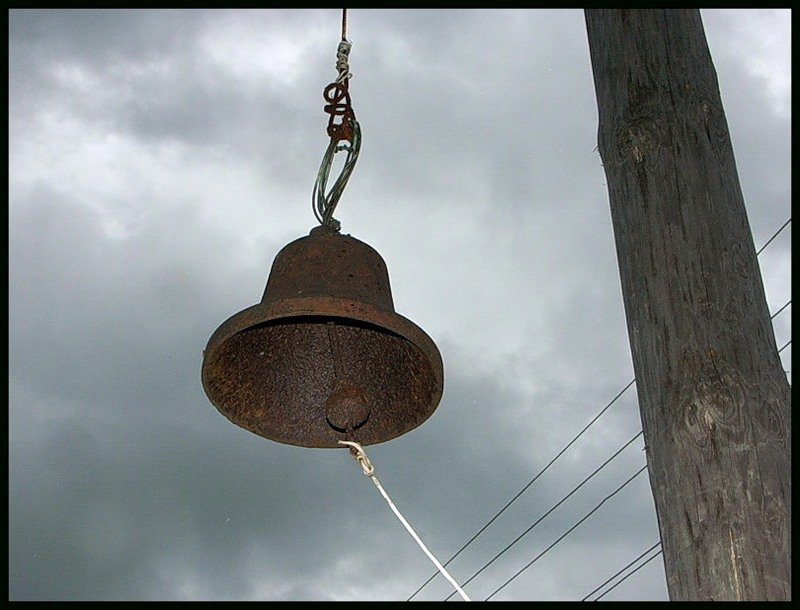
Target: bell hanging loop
[339,106]
[324,203]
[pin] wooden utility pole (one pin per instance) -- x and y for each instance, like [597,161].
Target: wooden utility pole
[714,400]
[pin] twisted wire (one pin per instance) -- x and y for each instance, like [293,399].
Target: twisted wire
[337,95]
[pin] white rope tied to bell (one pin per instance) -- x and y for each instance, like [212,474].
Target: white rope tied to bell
[369,470]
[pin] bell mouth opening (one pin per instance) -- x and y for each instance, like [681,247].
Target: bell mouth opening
[312,380]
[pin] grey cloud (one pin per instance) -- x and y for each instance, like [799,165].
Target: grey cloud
[158,219]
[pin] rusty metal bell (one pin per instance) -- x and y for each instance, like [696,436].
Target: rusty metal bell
[324,356]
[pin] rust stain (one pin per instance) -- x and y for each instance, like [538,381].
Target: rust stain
[324,355]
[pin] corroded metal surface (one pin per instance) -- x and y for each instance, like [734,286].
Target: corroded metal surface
[324,351]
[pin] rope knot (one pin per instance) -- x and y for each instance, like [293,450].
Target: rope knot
[342,55]
[360,456]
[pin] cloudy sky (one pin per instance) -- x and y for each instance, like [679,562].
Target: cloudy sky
[160,159]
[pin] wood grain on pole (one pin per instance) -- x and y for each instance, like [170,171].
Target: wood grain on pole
[714,401]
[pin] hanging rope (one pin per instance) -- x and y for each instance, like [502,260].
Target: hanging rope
[369,470]
[337,96]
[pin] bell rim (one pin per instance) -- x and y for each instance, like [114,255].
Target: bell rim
[333,307]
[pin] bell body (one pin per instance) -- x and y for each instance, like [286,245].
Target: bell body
[324,356]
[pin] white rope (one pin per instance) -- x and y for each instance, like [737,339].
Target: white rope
[342,65]
[369,470]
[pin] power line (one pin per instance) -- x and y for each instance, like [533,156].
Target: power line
[785,305]
[568,445]
[540,473]
[621,570]
[783,226]
[627,576]
[565,534]
[594,419]
[555,506]
[772,317]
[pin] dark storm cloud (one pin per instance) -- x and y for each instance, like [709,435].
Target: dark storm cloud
[100,36]
[134,512]
[159,160]
[101,383]
[149,74]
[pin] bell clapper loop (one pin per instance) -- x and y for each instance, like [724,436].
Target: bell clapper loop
[360,456]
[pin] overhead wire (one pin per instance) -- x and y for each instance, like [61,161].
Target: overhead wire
[593,591]
[554,507]
[785,305]
[570,530]
[600,586]
[468,580]
[627,576]
[778,232]
[620,571]
[789,302]
[576,437]
[531,482]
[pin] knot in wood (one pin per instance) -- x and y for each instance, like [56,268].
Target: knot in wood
[638,139]
[711,401]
